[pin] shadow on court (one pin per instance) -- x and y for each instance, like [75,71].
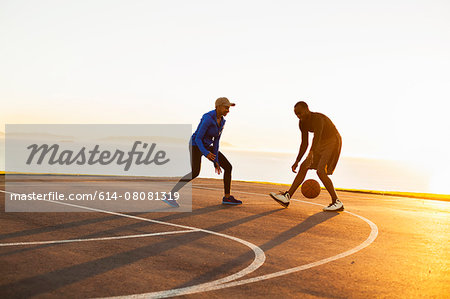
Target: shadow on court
[48,282]
[104,233]
[414,256]
[293,232]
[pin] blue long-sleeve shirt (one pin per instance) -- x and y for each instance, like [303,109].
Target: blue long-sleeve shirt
[208,132]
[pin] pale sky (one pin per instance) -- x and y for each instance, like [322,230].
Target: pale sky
[379,69]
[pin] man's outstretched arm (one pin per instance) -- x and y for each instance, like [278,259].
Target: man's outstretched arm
[302,150]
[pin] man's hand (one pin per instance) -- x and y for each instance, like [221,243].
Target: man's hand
[218,169]
[211,156]
[294,167]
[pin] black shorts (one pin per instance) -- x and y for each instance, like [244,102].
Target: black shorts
[327,154]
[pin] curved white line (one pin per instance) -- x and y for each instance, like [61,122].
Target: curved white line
[258,261]
[227,282]
[170,293]
[372,236]
[97,239]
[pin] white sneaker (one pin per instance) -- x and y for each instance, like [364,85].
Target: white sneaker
[337,206]
[283,198]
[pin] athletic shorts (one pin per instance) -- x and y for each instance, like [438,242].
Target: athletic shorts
[327,154]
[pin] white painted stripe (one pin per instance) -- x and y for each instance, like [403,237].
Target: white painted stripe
[258,260]
[98,239]
[372,236]
[231,281]
[185,291]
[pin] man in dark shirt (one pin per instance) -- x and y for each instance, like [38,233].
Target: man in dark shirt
[323,155]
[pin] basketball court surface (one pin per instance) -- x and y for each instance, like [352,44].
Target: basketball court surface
[380,246]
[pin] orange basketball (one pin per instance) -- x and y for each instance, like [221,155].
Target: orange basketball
[310,188]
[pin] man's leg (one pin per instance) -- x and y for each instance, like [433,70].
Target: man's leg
[226,165]
[196,159]
[228,199]
[284,198]
[336,204]
[299,178]
[327,183]
[326,157]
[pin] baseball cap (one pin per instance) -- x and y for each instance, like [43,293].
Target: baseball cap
[224,102]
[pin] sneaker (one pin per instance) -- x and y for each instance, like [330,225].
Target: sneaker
[337,206]
[283,198]
[230,201]
[173,203]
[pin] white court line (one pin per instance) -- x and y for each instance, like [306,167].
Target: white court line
[258,260]
[98,239]
[175,292]
[226,282]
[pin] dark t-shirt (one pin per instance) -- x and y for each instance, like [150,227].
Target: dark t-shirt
[322,127]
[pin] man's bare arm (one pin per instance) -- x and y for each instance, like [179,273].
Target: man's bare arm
[302,150]
[303,146]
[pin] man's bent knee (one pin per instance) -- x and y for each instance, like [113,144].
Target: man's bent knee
[228,168]
[321,173]
[195,174]
[305,165]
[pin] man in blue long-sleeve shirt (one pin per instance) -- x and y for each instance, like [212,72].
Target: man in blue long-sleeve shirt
[205,141]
